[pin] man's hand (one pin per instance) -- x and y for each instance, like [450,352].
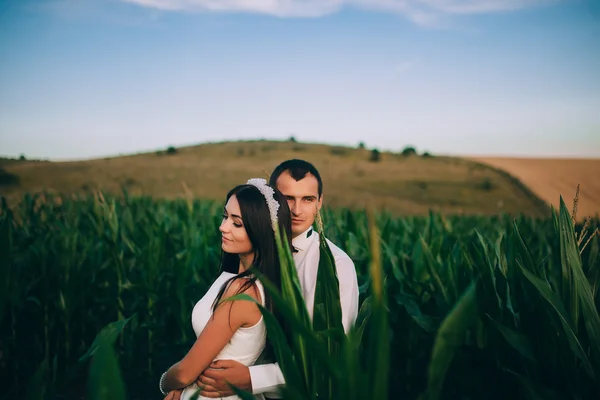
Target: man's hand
[214,380]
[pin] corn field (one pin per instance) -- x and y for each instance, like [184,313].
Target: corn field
[470,307]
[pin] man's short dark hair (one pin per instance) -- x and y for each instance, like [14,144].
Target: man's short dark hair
[298,170]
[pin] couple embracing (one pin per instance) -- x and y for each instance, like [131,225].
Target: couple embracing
[231,336]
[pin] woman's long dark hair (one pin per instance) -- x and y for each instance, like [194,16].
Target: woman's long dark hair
[257,222]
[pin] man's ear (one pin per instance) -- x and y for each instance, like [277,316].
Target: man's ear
[320,202]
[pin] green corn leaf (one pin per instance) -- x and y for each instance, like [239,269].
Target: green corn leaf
[517,340]
[298,328]
[413,309]
[5,258]
[244,395]
[286,356]
[552,299]
[582,291]
[290,289]
[38,385]
[107,335]
[432,268]
[448,338]
[327,314]
[534,391]
[105,381]
[594,266]
[486,266]
[523,252]
[379,346]
[569,265]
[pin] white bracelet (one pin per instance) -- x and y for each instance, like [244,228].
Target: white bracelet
[160,383]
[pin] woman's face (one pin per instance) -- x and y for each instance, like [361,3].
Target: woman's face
[234,238]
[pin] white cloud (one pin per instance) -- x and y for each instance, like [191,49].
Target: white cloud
[481,6]
[279,8]
[422,12]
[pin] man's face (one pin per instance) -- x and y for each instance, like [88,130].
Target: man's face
[303,198]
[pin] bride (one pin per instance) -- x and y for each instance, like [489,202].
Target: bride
[235,330]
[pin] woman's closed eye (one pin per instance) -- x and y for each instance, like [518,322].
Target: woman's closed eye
[236,224]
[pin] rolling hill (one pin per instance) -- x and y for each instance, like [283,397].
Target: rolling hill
[400,184]
[549,178]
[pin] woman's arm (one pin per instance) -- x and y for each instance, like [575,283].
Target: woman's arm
[227,318]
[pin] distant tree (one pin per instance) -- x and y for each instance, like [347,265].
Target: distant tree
[375,155]
[22,157]
[486,185]
[361,145]
[171,150]
[292,139]
[7,178]
[426,154]
[409,151]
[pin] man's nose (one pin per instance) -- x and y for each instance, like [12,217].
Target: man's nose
[296,209]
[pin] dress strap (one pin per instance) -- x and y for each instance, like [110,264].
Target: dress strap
[261,289]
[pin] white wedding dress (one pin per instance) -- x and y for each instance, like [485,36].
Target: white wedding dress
[246,344]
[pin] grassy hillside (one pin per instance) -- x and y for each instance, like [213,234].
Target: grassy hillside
[550,178]
[402,185]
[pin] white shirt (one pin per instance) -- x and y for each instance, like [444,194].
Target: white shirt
[267,378]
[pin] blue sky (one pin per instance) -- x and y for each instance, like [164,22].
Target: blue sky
[93,78]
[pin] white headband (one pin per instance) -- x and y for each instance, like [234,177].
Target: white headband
[269,193]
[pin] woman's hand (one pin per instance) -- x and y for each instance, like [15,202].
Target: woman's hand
[174,394]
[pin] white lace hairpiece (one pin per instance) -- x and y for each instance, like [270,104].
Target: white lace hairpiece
[269,194]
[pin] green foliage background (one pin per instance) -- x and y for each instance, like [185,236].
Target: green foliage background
[475,307]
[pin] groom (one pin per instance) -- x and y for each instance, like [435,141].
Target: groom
[301,184]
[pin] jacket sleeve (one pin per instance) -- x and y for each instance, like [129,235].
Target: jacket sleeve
[266,379]
[349,293]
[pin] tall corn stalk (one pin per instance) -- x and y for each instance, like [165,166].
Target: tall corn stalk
[477,307]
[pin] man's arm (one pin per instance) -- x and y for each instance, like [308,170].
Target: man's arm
[349,294]
[266,379]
